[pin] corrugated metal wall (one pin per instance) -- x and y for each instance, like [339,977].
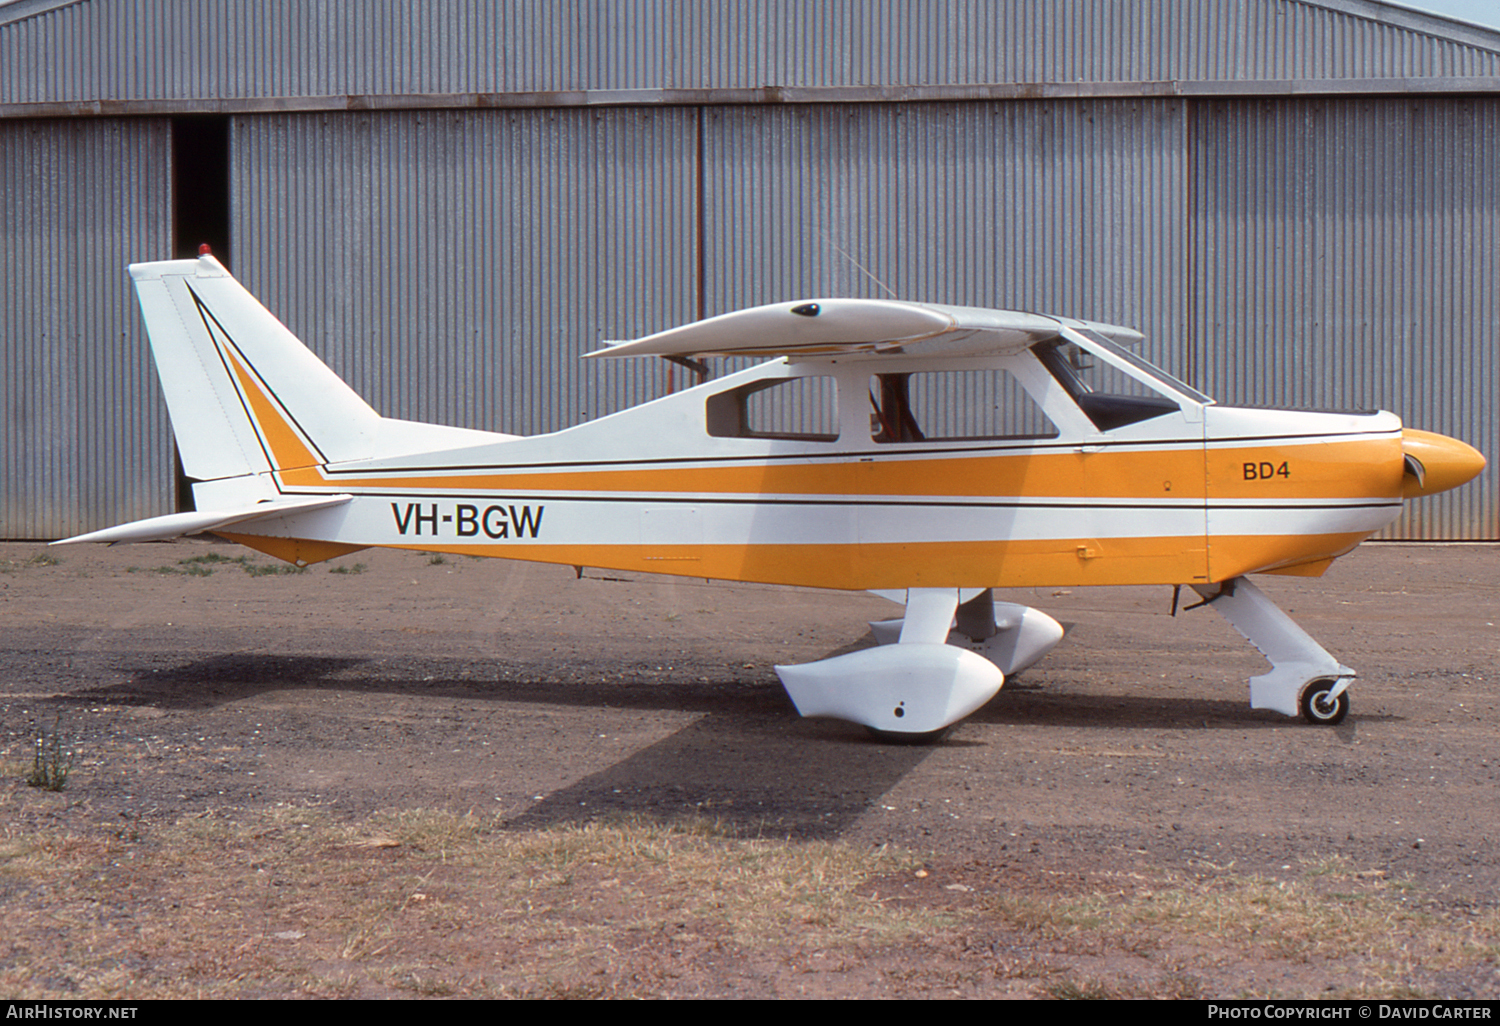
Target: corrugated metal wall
[85,439]
[454,264]
[1345,256]
[1342,249]
[226,50]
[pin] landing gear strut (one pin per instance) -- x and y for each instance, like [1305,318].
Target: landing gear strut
[1304,679]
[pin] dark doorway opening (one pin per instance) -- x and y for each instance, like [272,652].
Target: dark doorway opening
[200,211]
[200,186]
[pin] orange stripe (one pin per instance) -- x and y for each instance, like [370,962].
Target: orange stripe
[1357,469]
[1003,564]
[287,448]
[895,565]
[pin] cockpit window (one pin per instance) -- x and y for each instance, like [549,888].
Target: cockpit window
[949,406]
[1108,396]
[796,409]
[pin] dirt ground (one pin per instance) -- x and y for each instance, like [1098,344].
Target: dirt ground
[390,681]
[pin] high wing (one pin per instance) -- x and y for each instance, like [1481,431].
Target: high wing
[832,327]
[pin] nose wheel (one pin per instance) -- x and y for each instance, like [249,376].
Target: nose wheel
[1324,703]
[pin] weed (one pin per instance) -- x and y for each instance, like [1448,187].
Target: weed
[51,763]
[202,566]
[357,568]
[436,560]
[1069,989]
[43,559]
[191,570]
[213,557]
[261,570]
[430,986]
[1184,987]
[1339,867]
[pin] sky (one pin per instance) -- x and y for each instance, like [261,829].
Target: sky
[1480,12]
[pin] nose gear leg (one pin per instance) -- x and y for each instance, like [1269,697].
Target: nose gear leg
[1301,669]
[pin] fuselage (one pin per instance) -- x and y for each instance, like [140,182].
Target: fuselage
[883,472]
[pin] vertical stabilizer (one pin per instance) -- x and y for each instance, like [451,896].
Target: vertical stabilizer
[245,395]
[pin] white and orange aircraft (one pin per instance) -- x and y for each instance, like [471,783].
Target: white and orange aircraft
[927,452]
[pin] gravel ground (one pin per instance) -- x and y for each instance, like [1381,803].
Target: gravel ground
[396,681]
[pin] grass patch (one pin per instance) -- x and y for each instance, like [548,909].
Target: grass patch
[295,902]
[10,566]
[1069,989]
[345,568]
[204,566]
[436,559]
[1367,935]
[212,559]
[273,569]
[52,760]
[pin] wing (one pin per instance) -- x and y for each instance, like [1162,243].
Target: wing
[833,327]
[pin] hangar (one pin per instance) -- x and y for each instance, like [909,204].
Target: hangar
[1297,201]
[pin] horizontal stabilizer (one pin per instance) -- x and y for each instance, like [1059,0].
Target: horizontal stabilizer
[177,525]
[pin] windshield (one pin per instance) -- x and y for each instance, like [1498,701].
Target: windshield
[1108,395]
[1145,367]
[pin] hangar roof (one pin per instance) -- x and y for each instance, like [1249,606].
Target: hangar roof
[60,57]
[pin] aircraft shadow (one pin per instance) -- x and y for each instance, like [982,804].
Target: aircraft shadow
[216,680]
[768,777]
[747,766]
[221,679]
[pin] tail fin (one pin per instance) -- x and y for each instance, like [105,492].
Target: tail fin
[255,413]
[245,395]
[248,398]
